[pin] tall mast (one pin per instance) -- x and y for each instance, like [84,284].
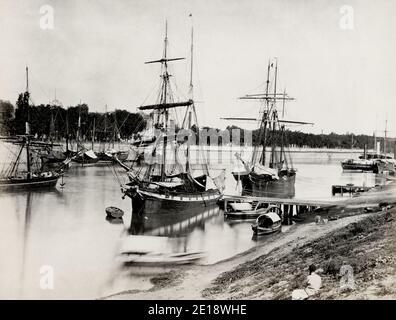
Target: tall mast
[67,130]
[105,128]
[386,129]
[191,92]
[191,61]
[115,127]
[188,145]
[93,133]
[264,121]
[163,100]
[27,126]
[162,108]
[283,103]
[79,123]
[274,119]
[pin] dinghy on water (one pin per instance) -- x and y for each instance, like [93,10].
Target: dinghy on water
[155,251]
[267,223]
[114,212]
[246,210]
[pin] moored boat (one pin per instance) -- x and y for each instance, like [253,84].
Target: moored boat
[28,174]
[267,223]
[274,176]
[246,210]
[164,180]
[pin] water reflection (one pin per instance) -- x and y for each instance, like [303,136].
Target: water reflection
[172,223]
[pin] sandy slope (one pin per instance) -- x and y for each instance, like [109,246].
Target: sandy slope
[278,264]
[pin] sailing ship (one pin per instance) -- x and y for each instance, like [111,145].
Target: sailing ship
[274,176]
[29,174]
[86,156]
[164,181]
[53,155]
[107,154]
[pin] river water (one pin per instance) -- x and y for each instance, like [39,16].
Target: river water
[58,244]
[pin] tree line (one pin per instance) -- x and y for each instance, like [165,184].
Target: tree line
[52,122]
[300,139]
[56,122]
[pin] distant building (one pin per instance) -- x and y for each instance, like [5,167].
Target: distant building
[6,113]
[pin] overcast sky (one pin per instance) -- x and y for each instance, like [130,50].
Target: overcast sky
[342,79]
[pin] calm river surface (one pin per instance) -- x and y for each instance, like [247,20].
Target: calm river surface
[65,231]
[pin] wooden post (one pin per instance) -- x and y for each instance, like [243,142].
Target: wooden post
[394,150]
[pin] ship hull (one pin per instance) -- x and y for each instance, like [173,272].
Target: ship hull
[155,203]
[356,166]
[26,184]
[254,186]
[85,162]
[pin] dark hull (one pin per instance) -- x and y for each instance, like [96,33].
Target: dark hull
[84,161]
[121,155]
[257,231]
[359,167]
[26,184]
[152,203]
[282,188]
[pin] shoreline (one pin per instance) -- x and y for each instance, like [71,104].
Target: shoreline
[235,277]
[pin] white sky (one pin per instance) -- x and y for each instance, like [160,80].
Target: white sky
[343,80]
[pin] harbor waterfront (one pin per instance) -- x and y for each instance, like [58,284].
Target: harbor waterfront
[66,229]
[183,150]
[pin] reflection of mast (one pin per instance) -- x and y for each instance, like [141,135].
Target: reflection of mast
[171,224]
[26,226]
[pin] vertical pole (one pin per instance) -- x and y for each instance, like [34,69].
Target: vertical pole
[386,129]
[394,150]
[105,128]
[27,126]
[67,131]
[188,145]
[93,133]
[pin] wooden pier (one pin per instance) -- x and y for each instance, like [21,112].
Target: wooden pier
[349,189]
[291,208]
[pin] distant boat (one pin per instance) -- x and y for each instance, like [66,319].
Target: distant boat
[28,175]
[85,156]
[360,165]
[108,154]
[376,161]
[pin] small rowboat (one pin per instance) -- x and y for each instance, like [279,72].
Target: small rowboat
[246,210]
[114,212]
[267,223]
[158,258]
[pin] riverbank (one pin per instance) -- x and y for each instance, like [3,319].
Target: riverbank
[368,246]
[278,264]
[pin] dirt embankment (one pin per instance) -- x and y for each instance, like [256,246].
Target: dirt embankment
[368,245]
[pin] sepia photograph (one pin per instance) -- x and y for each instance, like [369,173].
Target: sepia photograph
[218,151]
